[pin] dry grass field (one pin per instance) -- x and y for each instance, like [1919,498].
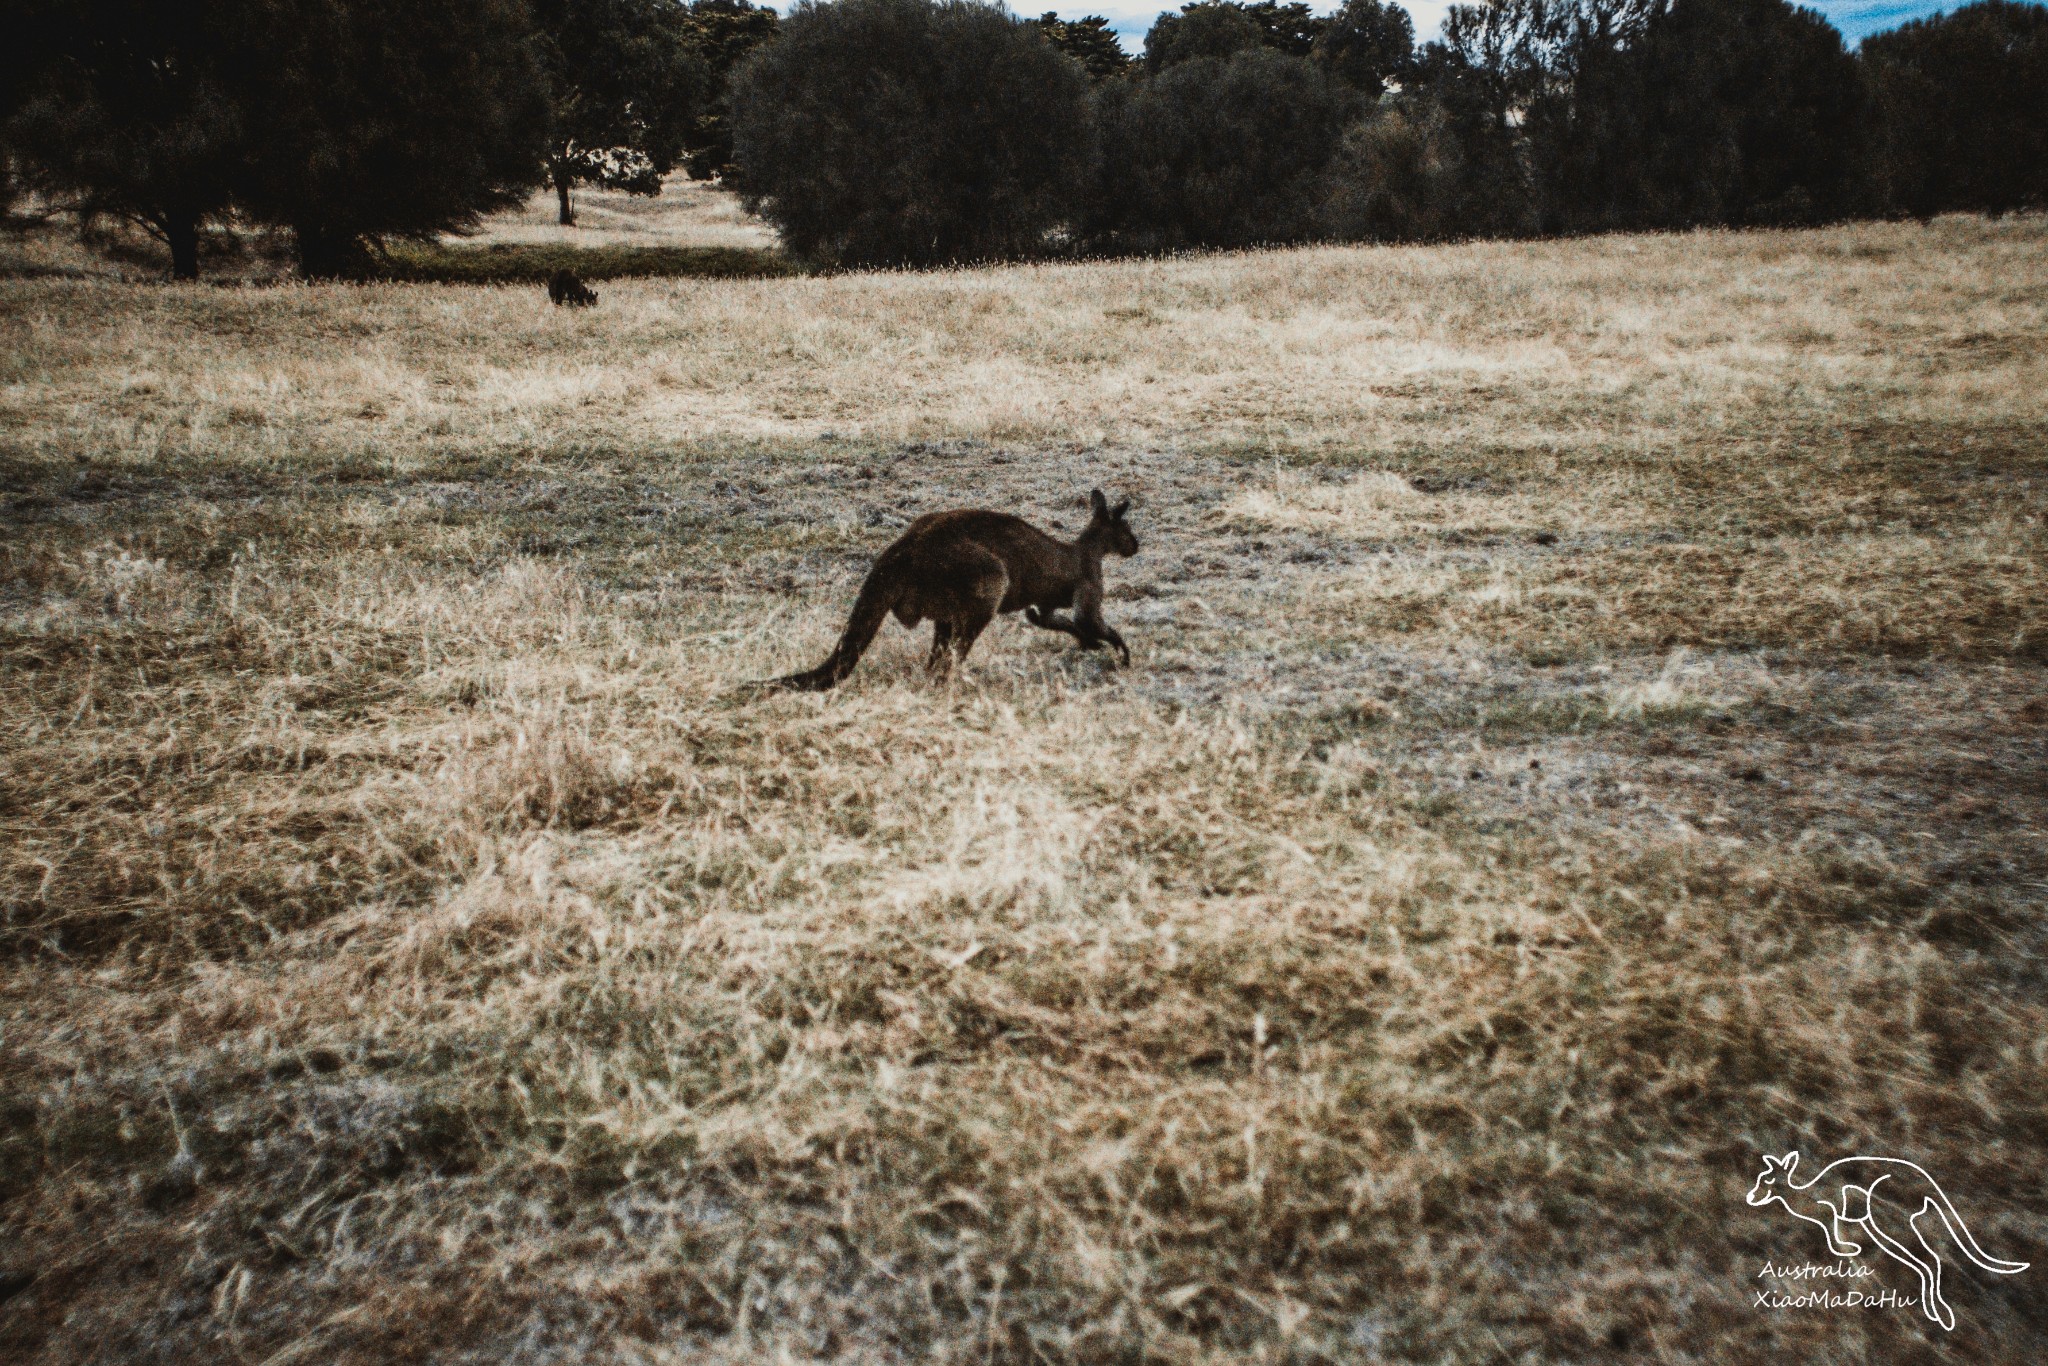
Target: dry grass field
[1588,730]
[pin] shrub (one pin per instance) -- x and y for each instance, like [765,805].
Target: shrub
[911,132]
[1396,177]
[1217,152]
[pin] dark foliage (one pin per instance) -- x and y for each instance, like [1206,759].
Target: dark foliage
[1486,86]
[724,33]
[1965,101]
[1399,176]
[1723,111]
[1218,152]
[1366,44]
[1089,41]
[1218,28]
[625,82]
[911,132]
[370,119]
[124,107]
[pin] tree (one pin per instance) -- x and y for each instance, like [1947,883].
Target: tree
[371,119]
[125,107]
[625,83]
[1366,44]
[1089,41]
[724,33]
[1397,177]
[1218,28]
[1218,152]
[911,132]
[1965,98]
[1484,79]
[1742,112]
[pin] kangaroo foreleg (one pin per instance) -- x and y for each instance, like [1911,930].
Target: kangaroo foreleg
[1091,634]
[1050,621]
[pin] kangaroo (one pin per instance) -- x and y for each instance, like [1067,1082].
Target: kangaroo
[1853,1183]
[566,287]
[959,569]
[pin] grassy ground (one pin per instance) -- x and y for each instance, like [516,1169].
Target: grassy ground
[1587,731]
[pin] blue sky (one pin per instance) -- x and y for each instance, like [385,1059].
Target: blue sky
[1131,18]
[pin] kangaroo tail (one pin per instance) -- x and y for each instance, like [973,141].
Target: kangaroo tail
[869,610]
[1960,1232]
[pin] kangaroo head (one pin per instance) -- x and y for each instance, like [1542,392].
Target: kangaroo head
[1775,1168]
[1108,524]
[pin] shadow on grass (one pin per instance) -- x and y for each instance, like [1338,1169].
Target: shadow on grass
[530,263]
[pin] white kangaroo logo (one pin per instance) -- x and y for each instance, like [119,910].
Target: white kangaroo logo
[1859,1179]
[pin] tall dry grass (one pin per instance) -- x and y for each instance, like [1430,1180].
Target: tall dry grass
[1587,732]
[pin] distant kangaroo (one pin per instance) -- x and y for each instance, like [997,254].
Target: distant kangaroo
[566,287]
[1852,1182]
[961,568]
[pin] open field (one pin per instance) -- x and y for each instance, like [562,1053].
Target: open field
[1588,729]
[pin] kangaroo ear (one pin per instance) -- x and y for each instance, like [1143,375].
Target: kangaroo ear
[1770,1164]
[1789,1160]
[1120,509]
[1098,502]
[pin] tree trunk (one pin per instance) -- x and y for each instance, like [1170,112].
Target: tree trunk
[568,218]
[325,253]
[181,234]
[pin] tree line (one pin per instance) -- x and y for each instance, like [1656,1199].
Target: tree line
[921,132]
[355,122]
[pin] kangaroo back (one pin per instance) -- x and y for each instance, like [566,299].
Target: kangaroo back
[877,596]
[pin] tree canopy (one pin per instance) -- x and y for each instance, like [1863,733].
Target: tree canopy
[724,33]
[625,80]
[912,132]
[1965,99]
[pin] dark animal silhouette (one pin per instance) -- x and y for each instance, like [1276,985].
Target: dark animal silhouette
[564,287]
[958,569]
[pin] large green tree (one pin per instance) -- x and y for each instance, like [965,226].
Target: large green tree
[1089,41]
[911,132]
[1739,112]
[1218,28]
[625,82]
[1965,98]
[1367,44]
[374,119]
[128,108]
[1217,152]
[725,33]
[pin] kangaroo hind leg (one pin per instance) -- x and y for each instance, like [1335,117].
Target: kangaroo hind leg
[1931,1302]
[975,582]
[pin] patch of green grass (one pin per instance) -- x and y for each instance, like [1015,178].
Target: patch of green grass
[506,263]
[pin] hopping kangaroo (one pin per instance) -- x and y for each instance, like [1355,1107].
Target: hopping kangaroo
[961,568]
[1841,1194]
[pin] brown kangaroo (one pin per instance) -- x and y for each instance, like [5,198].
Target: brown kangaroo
[961,568]
[565,287]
